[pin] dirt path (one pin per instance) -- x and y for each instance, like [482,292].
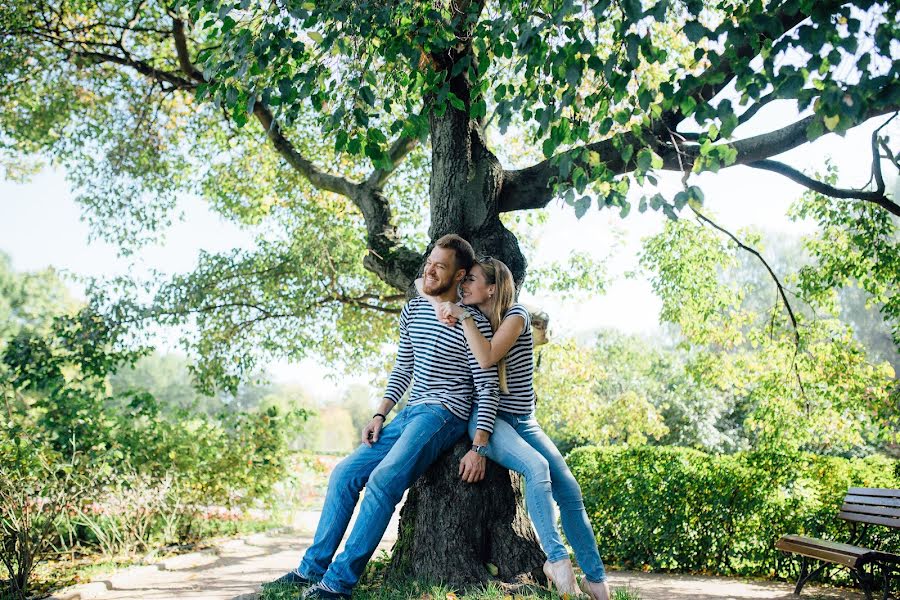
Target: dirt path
[235,569]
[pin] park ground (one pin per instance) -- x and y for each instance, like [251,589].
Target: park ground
[233,569]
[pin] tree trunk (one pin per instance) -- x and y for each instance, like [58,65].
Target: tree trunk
[456,533]
[450,531]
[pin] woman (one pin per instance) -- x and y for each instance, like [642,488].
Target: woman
[518,442]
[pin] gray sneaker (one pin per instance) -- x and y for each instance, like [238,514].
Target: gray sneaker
[292,578]
[320,591]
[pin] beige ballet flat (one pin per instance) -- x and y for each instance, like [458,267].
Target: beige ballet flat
[594,590]
[561,575]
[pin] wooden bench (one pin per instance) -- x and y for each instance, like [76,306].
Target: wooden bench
[862,508]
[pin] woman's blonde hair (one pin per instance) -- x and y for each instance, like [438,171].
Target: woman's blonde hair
[496,273]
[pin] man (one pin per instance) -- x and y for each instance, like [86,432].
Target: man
[445,378]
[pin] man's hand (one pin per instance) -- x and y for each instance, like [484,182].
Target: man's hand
[371,431]
[472,467]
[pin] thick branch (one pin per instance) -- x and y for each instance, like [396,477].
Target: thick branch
[531,187]
[877,197]
[391,262]
[320,179]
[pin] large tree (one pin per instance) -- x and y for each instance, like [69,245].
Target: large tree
[320,122]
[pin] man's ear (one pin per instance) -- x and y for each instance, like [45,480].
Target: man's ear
[460,275]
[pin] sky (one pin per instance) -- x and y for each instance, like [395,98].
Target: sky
[41,226]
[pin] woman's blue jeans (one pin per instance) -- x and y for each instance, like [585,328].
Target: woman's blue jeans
[405,449]
[518,443]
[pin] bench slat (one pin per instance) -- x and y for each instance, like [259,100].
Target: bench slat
[882,511]
[889,522]
[824,544]
[880,492]
[811,547]
[872,500]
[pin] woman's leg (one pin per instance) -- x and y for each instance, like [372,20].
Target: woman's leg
[567,494]
[509,450]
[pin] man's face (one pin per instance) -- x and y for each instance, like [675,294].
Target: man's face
[441,274]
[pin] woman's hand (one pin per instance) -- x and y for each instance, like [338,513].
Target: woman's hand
[449,313]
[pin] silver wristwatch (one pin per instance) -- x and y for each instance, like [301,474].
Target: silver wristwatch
[479,450]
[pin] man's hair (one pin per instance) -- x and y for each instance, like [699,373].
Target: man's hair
[463,251]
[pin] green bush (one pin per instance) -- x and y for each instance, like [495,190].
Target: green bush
[680,509]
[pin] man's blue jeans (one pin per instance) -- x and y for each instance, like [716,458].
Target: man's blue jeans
[405,449]
[518,443]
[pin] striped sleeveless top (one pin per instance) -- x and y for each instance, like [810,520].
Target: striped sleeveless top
[519,398]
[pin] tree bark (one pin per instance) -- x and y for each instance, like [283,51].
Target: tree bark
[451,531]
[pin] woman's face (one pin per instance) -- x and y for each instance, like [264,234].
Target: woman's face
[475,288]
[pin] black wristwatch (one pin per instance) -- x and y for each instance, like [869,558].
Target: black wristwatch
[479,450]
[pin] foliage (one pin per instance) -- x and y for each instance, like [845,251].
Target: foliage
[88,468]
[304,122]
[589,396]
[37,492]
[569,71]
[813,388]
[856,245]
[684,510]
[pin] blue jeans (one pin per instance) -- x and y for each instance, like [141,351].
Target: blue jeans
[405,449]
[518,443]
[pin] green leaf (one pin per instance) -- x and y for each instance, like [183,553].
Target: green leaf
[456,102]
[315,36]
[549,147]
[581,206]
[368,95]
[695,31]
[644,160]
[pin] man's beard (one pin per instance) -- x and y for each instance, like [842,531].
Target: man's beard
[438,290]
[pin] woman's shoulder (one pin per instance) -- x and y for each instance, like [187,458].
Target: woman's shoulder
[519,310]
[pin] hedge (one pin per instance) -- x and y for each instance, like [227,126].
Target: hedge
[679,509]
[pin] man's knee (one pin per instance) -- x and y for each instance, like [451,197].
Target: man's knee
[385,486]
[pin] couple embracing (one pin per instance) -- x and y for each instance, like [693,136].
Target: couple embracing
[471,367]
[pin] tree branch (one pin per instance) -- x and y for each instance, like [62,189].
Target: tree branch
[141,67]
[181,50]
[531,187]
[386,258]
[754,252]
[877,197]
[778,285]
[320,179]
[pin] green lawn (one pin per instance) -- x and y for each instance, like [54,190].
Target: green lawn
[415,591]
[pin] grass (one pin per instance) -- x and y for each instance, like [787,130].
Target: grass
[414,590]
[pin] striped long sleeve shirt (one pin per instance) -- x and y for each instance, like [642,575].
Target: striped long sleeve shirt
[437,361]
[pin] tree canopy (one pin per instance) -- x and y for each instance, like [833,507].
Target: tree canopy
[321,122]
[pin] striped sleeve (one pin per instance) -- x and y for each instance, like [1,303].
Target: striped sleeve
[402,374]
[487,384]
[520,311]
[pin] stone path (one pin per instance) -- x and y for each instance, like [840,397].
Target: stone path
[235,568]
